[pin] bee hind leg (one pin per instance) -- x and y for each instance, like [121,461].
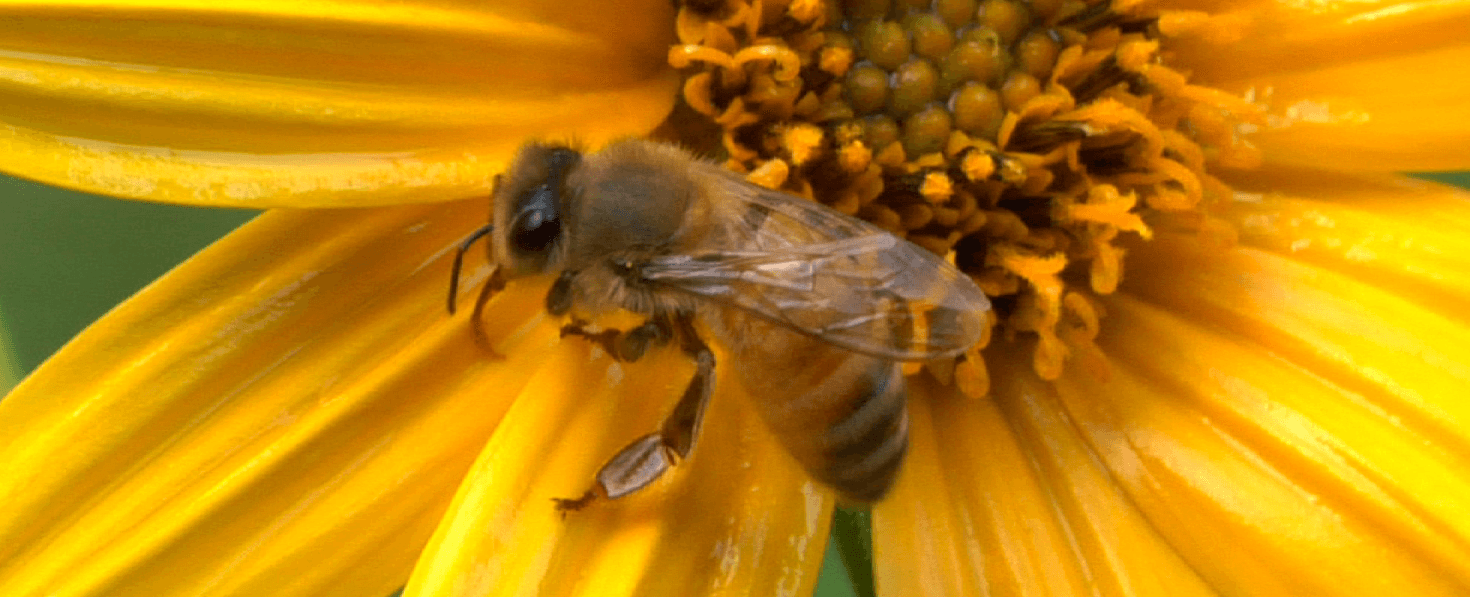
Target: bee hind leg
[646,459]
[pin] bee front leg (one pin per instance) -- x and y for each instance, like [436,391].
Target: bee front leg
[645,460]
[495,284]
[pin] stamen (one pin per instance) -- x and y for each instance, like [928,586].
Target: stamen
[1022,139]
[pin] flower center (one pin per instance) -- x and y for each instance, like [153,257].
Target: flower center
[1023,138]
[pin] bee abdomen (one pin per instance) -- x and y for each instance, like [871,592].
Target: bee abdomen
[864,451]
[842,415]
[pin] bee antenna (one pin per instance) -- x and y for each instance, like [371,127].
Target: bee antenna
[459,261]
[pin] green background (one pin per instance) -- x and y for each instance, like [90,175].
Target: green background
[66,258]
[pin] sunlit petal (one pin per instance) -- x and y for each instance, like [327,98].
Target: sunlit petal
[1265,475]
[1263,37]
[312,103]
[288,413]
[1284,421]
[1002,497]
[740,517]
[1390,231]
[1375,81]
[1287,427]
[1399,113]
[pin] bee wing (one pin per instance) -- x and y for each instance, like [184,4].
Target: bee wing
[829,275]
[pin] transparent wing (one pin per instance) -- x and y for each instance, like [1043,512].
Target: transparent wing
[823,273]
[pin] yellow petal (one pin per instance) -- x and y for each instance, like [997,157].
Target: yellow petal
[1285,417]
[1271,473]
[1269,37]
[739,517]
[1389,231]
[1377,81]
[1398,113]
[316,104]
[287,413]
[1309,420]
[1003,497]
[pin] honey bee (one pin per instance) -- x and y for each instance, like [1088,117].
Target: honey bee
[817,308]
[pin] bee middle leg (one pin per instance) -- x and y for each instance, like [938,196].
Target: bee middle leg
[646,459]
[626,346]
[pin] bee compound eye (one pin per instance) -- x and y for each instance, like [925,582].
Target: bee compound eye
[537,224]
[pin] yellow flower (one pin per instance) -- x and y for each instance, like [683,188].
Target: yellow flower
[291,413]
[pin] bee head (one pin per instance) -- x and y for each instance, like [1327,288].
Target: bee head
[531,202]
[556,208]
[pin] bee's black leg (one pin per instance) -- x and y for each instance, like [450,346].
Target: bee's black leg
[635,342]
[565,505]
[607,339]
[494,284]
[681,429]
[624,346]
[647,458]
[559,298]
